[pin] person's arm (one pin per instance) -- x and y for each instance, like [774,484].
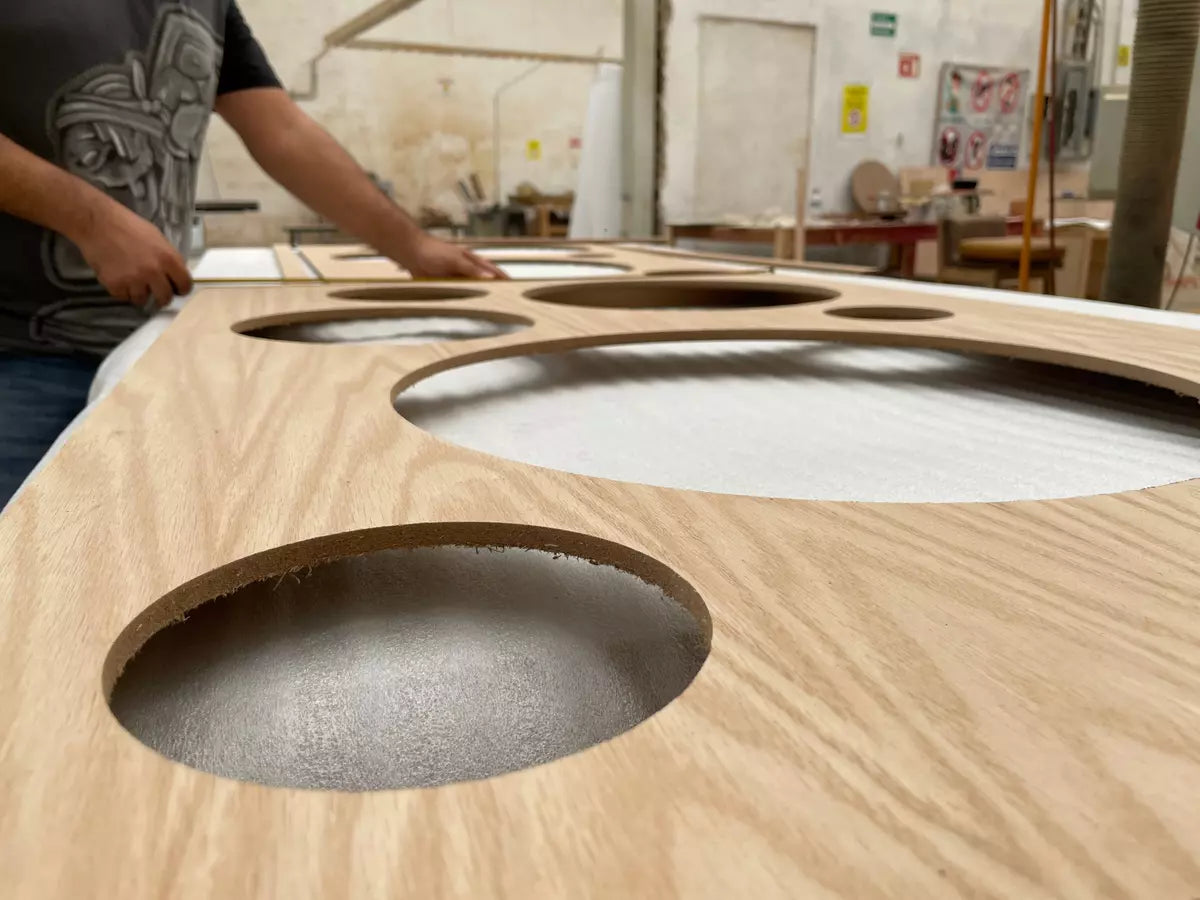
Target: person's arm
[305,159]
[131,258]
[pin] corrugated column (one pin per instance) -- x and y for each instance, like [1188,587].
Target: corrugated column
[1164,53]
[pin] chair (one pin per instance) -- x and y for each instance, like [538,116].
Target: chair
[953,268]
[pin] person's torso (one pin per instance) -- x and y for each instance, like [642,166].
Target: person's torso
[119,93]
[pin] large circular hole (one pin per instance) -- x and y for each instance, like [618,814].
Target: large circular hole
[682,294]
[457,657]
[817,421]
[406,294]
[368,327]
[889,313]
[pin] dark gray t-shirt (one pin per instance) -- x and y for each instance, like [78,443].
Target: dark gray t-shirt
[118,92]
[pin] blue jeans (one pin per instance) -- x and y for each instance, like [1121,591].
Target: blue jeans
[39,396]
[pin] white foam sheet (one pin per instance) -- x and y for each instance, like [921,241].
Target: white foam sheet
[232,263]
[400,330]
[817,421]
[555,271]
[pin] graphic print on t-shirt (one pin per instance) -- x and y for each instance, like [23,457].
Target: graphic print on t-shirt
[135,130]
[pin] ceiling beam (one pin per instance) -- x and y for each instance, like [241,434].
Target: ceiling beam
[366,20]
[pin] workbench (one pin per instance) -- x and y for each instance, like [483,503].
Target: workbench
[903,235]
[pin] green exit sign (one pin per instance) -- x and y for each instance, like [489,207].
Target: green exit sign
[883,24]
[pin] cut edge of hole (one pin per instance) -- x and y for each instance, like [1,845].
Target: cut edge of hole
[890,313]
[251,328]
[406,293]
[606,294]
[278,562]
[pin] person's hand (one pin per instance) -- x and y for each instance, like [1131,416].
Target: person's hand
[433,258]
[132,258]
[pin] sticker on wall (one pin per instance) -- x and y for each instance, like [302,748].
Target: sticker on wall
[980,117]
[1010,93]
[1124,56]
[576,143]
[976,154]
[883,24]
[1002,156]
[910,65]
[949,146]
[533,150]
[981,92]
[855,103]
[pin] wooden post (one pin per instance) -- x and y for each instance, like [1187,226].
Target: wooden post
[801,213]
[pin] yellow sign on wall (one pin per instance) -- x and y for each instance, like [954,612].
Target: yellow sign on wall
[533,150]
[856,99]
[1124,55]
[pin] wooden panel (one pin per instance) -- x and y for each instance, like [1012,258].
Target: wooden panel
[291,266]
[337,263]
[900,701]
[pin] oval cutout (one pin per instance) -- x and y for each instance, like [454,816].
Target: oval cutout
[890,313]
[408,657]
[682,294]
[406,293]
[813,420]
[407,327]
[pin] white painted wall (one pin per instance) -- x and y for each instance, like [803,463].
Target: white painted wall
[1002,33]
[395,115]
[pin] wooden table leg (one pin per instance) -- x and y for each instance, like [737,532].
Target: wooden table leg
[785,243]
[908,261]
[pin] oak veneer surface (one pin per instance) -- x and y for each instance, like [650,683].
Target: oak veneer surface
[900,700]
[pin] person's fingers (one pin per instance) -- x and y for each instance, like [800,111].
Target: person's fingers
[161,289]
[181,278]
[137,294]
[486,267]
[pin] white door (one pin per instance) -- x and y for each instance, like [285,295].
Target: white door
[755,106]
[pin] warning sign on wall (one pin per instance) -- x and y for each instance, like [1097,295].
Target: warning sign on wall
[980,118]
[976,153]
[910,65]
[855,102]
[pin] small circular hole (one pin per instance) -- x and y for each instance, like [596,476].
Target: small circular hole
[890,313]
[682,294]
[406,294]
[459,652]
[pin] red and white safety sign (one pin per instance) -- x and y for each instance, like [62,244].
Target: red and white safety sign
[981,92]
[1010,92]
[976,154]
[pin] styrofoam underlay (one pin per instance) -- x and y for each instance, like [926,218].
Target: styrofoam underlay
[387,330]
[228,263]
[819,421]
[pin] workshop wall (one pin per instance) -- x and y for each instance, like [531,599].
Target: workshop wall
[901,109]
[417,120]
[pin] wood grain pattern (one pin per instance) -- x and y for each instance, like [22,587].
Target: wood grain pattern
[901,700]
[350,262]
